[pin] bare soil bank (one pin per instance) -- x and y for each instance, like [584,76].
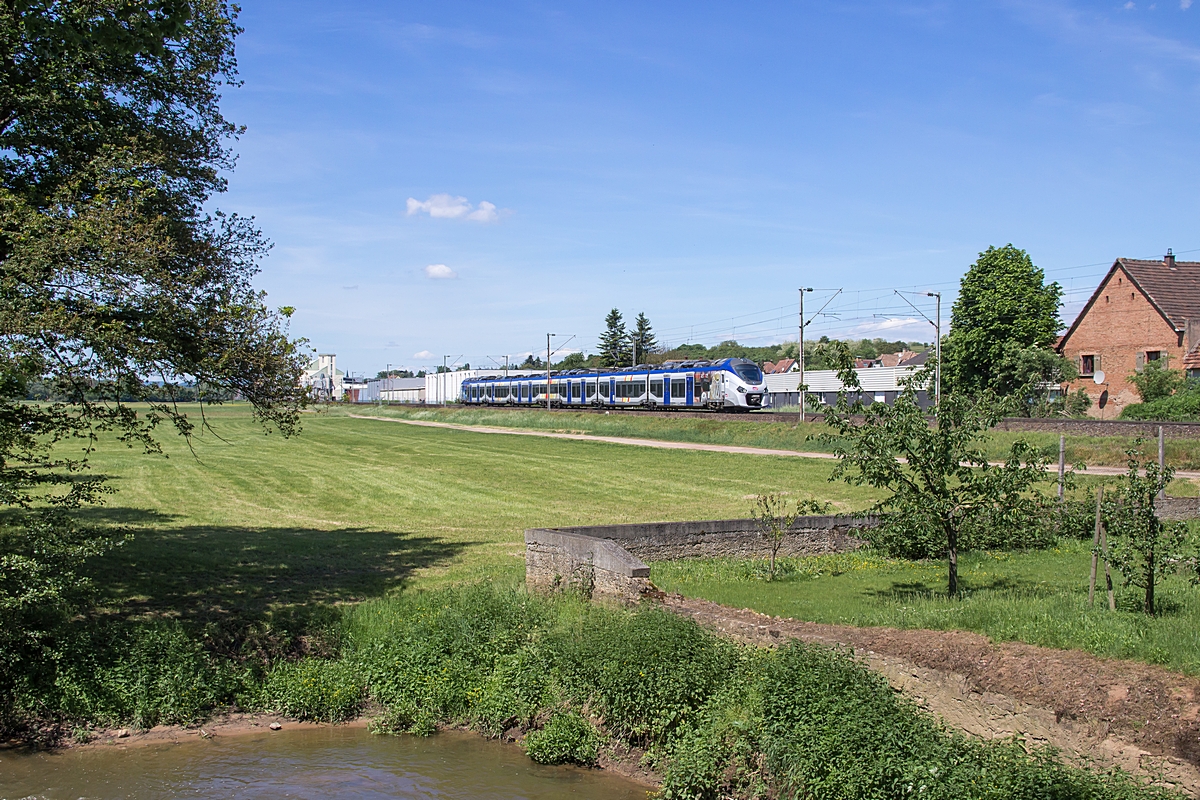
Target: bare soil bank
[1139,717]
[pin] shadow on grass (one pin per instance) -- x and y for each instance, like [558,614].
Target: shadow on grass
[205,573]
[915,590]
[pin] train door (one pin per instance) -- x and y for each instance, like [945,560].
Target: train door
[612,391]
[668,397]
[691,390]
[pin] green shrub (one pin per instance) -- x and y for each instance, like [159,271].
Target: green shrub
[645,672]
[513,694]
[833,729]
[1183,406]
[313,689]
[144,673]
[567,738]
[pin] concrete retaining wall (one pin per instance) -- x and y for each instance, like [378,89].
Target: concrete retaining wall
[607,560]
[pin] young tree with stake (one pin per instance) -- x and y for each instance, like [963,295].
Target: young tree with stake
[939,478]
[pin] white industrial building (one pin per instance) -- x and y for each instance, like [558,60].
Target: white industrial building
[394,390]
[879,385]
[445,387]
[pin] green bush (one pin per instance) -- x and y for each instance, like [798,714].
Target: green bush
[144,673]
[313,689]
[1183,406]
[645,672]
[567,738]
[833,729]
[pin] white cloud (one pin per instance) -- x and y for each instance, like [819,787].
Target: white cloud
[440,272]
[445,206]
[1129,6]
[1185,4]
[424,355]
[485,213]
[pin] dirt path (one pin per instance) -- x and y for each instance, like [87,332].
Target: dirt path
[665,445]
[1141,718]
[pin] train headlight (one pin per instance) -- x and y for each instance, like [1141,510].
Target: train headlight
[742,389]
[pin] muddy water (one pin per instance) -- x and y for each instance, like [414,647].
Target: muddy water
[320,763]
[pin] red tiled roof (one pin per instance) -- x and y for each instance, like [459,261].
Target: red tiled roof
[1192,359]
[1174,292]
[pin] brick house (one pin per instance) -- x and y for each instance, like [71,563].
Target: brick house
[1142,311]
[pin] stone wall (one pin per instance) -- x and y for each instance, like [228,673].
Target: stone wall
[562,560]
[607,560]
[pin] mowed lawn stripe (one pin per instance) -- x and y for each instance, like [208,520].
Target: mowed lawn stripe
[437,505]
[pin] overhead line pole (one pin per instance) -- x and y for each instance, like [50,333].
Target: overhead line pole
[548,335]
[801,350]
[937,392]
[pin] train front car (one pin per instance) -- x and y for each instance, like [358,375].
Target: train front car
[742,385]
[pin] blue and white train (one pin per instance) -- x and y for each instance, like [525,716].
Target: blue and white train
[734,384]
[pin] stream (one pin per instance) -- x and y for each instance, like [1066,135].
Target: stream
[305,763]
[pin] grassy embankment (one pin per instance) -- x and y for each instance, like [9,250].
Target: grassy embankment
[247,538]
[741,431]
[242,556]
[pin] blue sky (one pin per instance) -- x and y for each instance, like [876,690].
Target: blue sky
[460,178]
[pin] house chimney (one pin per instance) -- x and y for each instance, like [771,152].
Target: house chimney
[1169,260]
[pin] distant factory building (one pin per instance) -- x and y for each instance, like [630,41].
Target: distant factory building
[879,385]
[322,376]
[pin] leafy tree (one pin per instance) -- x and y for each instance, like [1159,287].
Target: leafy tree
[532,363]
[1157,380]
[940,481]
[613,342]
[573,361]
[395,373]
[116,283]
[1025,374]
[1003,298]
[643,338]
[1144,546]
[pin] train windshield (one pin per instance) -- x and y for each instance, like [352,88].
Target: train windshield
[750,373]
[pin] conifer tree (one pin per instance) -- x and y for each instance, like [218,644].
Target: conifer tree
[614,348]
[643,338]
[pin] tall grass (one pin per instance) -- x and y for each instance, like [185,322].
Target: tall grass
[718,719]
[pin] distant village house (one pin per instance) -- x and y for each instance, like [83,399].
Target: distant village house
[1142,311]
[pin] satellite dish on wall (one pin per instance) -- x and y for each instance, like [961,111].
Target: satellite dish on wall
[1098,377]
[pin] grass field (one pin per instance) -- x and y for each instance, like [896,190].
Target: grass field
[1035,597]
[356,508]
[732,430]
[252,525]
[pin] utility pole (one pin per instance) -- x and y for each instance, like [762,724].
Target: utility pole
[548,335]
[800,357]
[937,391]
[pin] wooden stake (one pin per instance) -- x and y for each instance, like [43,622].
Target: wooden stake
[1095,553]
[1112,602]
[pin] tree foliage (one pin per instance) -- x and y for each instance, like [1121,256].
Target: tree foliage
[1026,375]
[1144,547]
[1157,380]
[940,482]
[116,284]
[642,338]
[613,342]
[1003,299]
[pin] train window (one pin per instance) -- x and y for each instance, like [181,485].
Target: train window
[703,381]
[678,389]
[656,389]
[562,389]
[576,391]
[591,390]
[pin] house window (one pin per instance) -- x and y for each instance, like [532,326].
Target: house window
[1087,365]
[1153,355]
